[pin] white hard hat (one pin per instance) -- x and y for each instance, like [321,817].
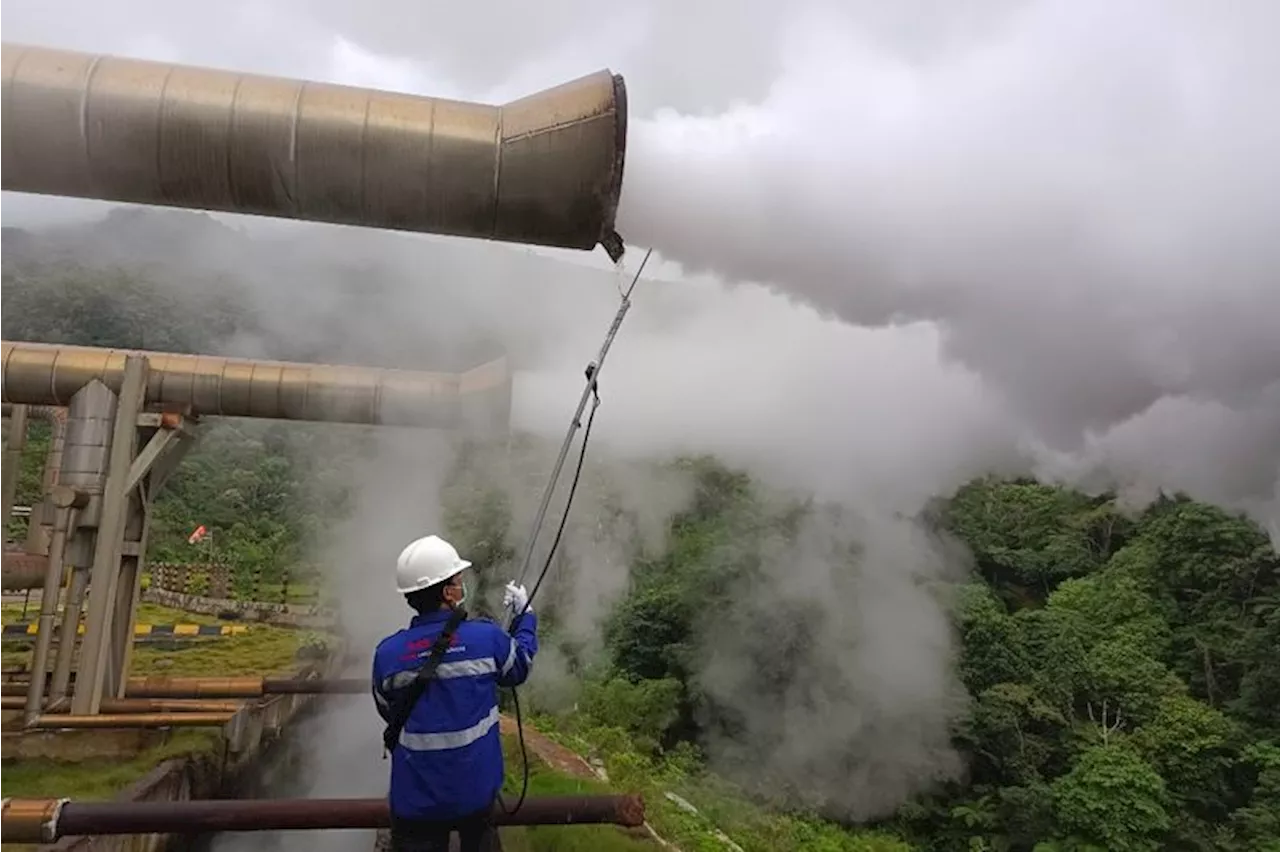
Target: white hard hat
[425,562]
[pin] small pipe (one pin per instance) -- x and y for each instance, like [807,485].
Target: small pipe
[132,705]
[56,721]
[315,686]
[48,820]
[225,687]
[60,685]
[194,687]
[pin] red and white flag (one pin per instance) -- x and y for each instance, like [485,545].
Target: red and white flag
[200,533]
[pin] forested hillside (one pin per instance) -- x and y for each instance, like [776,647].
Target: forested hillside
[1121,670]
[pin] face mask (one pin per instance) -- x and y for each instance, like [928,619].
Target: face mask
[462,599]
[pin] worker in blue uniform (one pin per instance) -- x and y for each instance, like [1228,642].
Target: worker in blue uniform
[446,756]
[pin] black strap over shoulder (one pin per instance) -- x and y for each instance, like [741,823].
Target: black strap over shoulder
[410,697]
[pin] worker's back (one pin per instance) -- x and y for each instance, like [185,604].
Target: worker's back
[448,762]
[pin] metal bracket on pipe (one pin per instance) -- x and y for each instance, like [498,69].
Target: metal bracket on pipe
[172,433]
[159,442]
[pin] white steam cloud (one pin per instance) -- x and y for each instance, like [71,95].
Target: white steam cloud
[1082,196]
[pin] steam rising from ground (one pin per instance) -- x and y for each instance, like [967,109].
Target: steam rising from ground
[846,613]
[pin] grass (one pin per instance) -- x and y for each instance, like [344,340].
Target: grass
[261,650]
[545,781]
[720,806]
[97,779]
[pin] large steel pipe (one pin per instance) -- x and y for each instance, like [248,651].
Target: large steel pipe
[47,820]
[545,169]
[480,398]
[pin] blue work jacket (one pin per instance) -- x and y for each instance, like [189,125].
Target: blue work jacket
[448,762]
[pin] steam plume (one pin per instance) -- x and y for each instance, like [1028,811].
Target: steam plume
[1081,196]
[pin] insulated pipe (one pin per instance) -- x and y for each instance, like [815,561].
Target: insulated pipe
[43,374]
[132,705]
[90,421]
[245,686]
[56,721]
[48,820]
[242,687]
[543,170]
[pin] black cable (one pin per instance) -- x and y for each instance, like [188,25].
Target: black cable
[546,567]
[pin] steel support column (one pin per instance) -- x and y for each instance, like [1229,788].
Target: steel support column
[90,414]
[159,457]
[98,673]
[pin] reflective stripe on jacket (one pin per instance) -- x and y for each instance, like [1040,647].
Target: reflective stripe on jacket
[448,762]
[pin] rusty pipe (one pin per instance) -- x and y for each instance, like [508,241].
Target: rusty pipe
[244,686]
[194,687]
[22,571]
[542,170]
[48,820]
[44,374]
[55,721]
[315,686]
[132,705]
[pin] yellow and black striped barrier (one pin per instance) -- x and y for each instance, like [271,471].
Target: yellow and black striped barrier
[32,628]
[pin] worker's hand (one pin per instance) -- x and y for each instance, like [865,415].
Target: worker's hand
[515,599]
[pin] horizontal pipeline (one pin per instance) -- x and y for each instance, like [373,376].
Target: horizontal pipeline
[479,398]
[132,705]
[57,721]
[48,820]
[227,687]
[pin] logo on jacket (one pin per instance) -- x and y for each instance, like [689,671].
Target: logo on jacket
[418,647]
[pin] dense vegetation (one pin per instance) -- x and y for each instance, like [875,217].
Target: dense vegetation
[1121,669]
